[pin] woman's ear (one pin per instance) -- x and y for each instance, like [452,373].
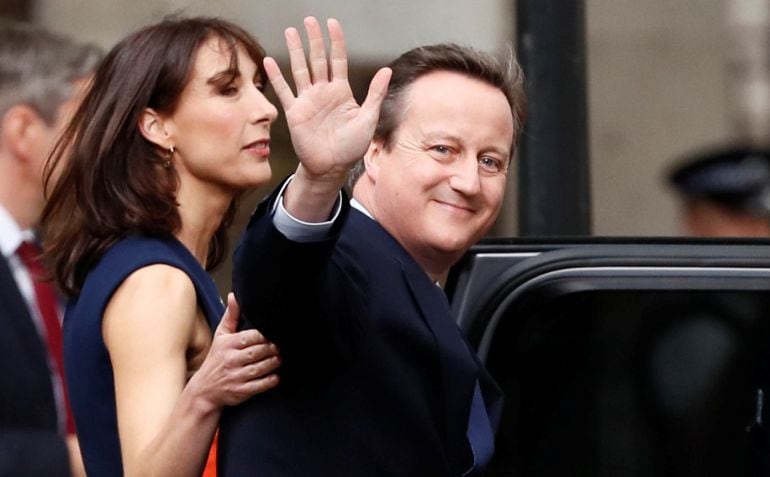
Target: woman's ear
[153,129]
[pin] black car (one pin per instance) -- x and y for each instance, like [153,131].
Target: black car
[623,357]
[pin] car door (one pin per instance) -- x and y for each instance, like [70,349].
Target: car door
[623,358]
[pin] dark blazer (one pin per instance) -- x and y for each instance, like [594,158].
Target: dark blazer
[376,378]
[30,444]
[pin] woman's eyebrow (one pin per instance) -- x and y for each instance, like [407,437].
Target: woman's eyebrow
[224,76]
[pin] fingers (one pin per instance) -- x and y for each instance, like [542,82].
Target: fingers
[256,368]
[260,385]
[255,353]
[280,86]
[229,322]
[252,347]
[248,357]
[261,368]
[318,63]
[239,364]
[339,52]
[378,88]
[247,338]
[299,69]
[318,71]
[246,389]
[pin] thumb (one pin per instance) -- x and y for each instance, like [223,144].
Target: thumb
[378,88]
[229,322]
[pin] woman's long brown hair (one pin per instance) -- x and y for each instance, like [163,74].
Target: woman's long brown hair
[105,180]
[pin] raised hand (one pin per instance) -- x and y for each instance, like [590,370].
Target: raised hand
[329,130]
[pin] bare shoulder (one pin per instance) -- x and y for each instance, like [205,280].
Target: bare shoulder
[157,279]
[157,297]
[157,285]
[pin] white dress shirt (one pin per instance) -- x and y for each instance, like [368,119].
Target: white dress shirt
[299,230]
[11,237]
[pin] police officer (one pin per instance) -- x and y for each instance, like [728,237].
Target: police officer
[726,192]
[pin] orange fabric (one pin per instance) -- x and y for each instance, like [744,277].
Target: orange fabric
[211,463]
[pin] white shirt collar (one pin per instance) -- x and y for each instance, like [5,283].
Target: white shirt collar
[11,236]
[360,207]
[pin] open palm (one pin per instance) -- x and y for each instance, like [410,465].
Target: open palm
[329,130]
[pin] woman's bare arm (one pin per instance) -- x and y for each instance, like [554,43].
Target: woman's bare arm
[166,423]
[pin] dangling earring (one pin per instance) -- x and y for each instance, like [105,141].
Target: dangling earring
[167,162]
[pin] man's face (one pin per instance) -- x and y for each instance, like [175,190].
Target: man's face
[440,185]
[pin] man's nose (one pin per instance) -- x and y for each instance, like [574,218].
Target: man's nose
[465,175]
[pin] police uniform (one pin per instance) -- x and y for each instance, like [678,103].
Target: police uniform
[735,177]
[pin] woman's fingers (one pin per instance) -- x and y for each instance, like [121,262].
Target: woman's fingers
[254,353]
[261,368]
[252,350]
[248,338]
[260,385]
[229,322]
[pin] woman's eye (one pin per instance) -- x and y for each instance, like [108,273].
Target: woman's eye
[229,90]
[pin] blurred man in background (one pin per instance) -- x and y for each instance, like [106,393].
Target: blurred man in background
[41,77]
[725,192]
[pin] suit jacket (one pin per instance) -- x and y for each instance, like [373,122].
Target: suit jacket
[30,443]
[376,377]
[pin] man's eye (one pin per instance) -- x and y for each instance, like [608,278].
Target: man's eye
[441,149]
[490,164]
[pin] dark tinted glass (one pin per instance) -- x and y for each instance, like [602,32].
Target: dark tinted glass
[633,383]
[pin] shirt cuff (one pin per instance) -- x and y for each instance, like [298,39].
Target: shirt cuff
[299,230]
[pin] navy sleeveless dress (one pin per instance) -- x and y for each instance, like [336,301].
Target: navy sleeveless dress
[86,360]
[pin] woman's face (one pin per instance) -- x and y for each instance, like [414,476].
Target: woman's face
[221,127]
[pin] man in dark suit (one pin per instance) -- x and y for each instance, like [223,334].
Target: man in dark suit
[41,76]
[376,377]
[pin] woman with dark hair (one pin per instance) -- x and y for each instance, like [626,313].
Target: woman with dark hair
[143,185]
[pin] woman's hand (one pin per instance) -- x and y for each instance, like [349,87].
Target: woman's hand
[239,364]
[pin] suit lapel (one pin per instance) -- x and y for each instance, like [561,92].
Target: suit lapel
[458,373]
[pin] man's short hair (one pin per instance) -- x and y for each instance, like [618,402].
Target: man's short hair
[38,67]
[507,76]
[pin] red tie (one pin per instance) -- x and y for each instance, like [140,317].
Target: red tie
[45,295]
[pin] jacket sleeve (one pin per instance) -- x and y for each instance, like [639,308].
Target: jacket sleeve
[293,292]
[27,452]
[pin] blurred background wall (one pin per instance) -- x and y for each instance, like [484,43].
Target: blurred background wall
[659,75]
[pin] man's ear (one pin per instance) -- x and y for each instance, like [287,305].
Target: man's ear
[19,130]
[372,159]
[153,129]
